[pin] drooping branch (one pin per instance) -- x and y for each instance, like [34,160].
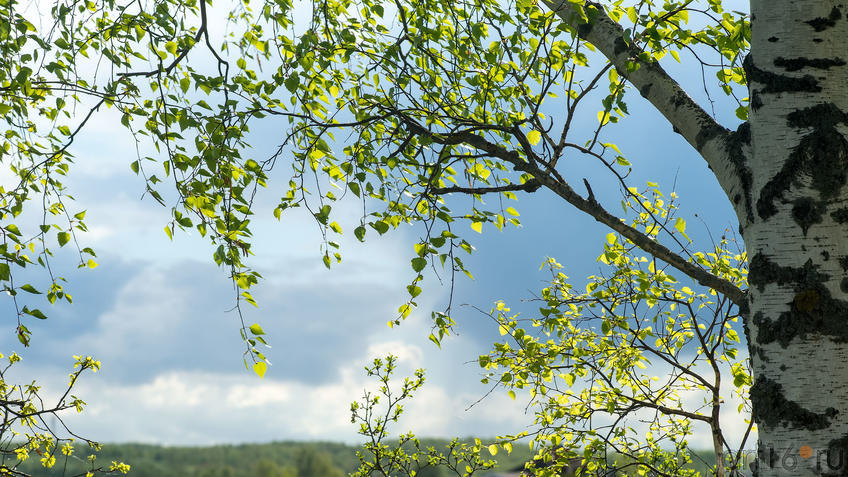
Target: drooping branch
[719,146]
[560,187]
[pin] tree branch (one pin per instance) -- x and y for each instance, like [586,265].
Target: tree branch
[719,146]
[197,36]
[590,206]
[641,240]
[529,186]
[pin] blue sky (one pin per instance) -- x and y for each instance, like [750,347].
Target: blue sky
[155,311]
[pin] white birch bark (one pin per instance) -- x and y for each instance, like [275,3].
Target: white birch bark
[797,245]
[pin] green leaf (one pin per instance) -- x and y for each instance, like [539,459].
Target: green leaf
[741,379]
[534,137]
[680,225]
[256,329]
[418,263]
[292,82]
[63,238]
[381,227]
[23,335]
[477,227]
[359,232]
[35,313]
[260,368]
[249,298]
[30,289]
[5,272]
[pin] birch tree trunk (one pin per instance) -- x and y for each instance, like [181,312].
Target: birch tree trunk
[795,233]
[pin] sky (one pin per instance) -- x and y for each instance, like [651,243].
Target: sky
[155,311]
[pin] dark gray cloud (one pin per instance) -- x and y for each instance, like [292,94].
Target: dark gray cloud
[142,320]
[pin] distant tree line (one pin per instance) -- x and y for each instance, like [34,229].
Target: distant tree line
[277,459]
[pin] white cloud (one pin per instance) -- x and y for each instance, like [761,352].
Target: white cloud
[405,353]
[206,408]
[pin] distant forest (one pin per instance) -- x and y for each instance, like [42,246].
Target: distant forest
[277,459]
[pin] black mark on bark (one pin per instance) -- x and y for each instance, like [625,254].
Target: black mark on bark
[736,154]
[795,64]
[777,83]
[806,212]
[770,407]
[753,349]
[679,99]
[762,271]
[822,23]
[821,155]
[584,29]
[706,133]
[840,215]
[812,310]
[620,46]
[756,100]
